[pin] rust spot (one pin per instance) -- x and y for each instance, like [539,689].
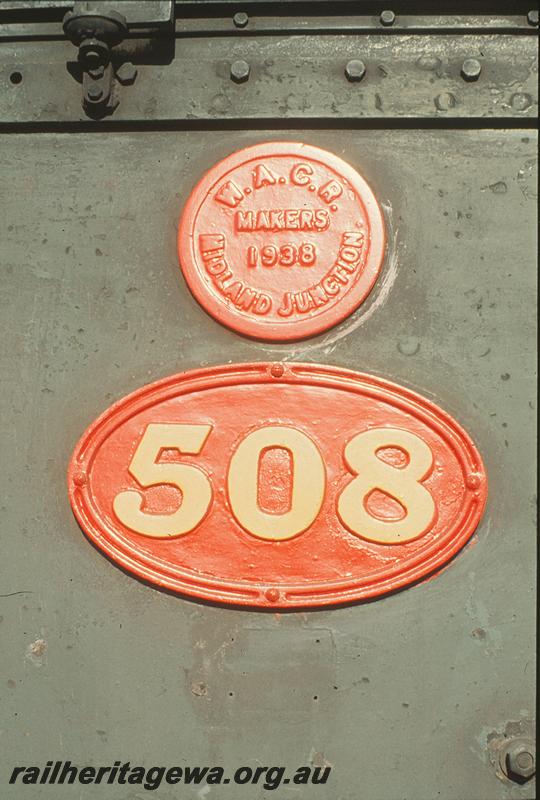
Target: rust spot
[513,729]
[319,760]
[478,633]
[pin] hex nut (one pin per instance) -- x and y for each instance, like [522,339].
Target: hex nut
[240,19]
[126,73]
[240,71]
[387,18]
[518,760]
[355,70]
[471,69]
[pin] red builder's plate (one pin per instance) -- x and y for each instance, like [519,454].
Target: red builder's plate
[277,485]
[281,240]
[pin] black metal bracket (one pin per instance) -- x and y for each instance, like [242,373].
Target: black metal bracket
[95,34]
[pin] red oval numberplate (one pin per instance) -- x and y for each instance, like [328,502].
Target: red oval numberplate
[279,485]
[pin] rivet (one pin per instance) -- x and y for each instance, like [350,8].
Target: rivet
[272,595]
[277,370]
[428,62]
[473,480]
[445,101]
[408,345]
[520,101]
[79,479]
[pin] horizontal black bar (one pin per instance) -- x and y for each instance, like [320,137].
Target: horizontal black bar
[283,7]
[201,9]
[407,123]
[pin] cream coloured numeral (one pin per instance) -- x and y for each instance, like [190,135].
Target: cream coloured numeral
[308,481]
[401,483]
[192,482]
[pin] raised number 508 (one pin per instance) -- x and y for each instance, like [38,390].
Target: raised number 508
[308,482]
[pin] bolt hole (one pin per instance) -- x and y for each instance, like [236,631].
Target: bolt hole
[315,696]
[231,694]
[16,77]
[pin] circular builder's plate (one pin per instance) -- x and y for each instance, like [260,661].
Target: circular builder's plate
[281,241]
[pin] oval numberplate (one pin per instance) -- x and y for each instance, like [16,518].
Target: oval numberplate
[277,485]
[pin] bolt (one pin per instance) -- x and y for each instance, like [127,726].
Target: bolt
[519,760]
[387,18]
[471,69]
[241,19]
[525,761]
[355,70]
[532,18]
[240,71]
[95,92]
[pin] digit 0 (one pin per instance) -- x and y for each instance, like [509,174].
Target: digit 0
[308,483]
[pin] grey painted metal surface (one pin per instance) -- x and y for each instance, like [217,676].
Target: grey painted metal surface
[291,77]
[403,696]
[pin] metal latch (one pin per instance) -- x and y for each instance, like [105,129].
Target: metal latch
[96,29]
[95,35]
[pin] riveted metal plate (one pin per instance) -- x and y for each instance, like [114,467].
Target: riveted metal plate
[291,78]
